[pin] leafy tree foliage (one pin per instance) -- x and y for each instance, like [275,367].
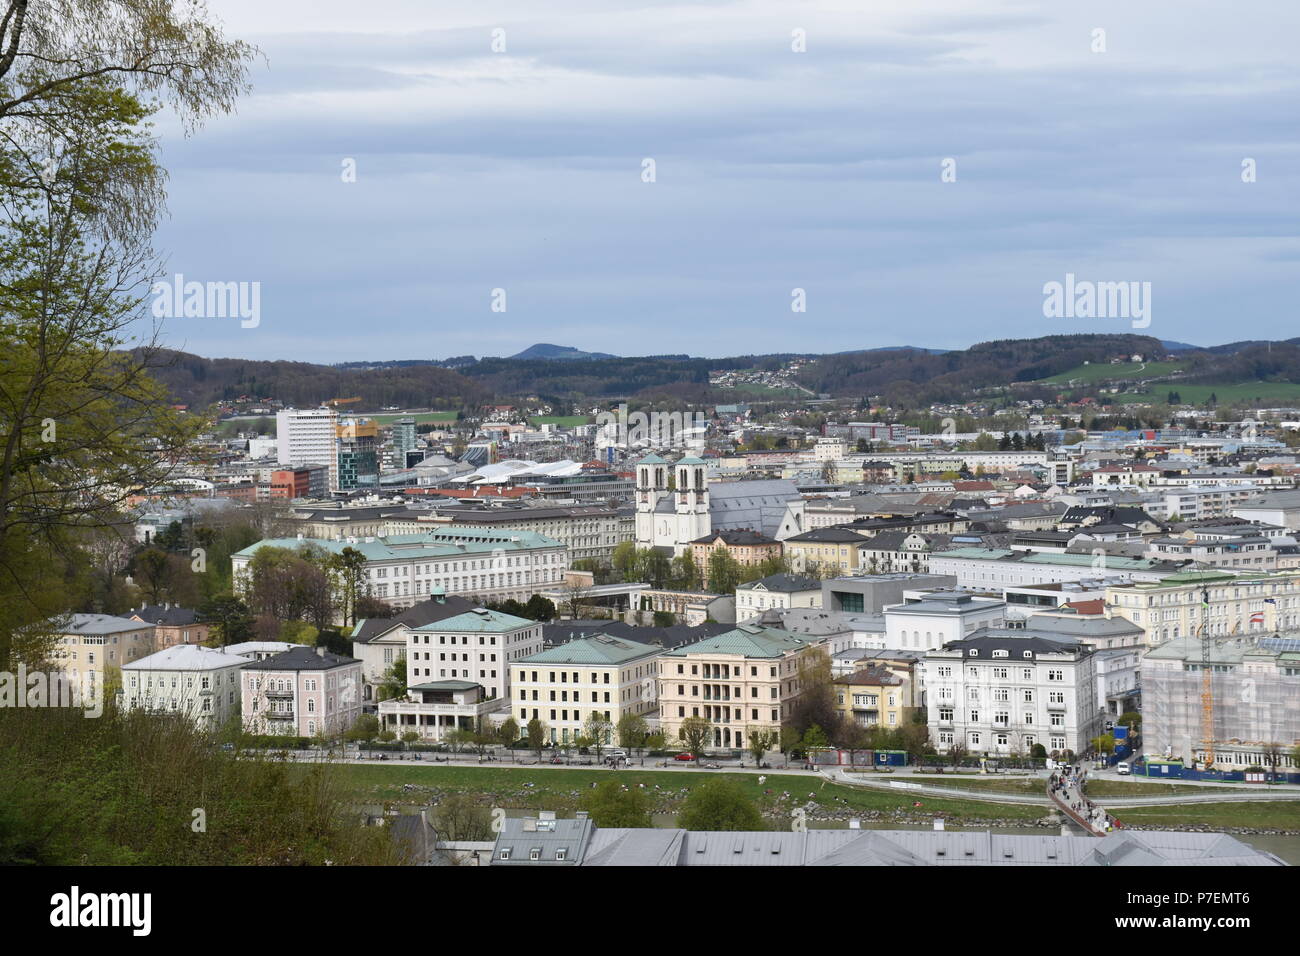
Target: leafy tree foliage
[719,804]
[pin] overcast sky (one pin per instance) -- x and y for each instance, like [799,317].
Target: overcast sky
[775,170]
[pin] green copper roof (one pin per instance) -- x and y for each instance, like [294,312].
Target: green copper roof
[479,619]
[594,649]
[746,641]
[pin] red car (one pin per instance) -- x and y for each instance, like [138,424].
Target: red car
[685,757]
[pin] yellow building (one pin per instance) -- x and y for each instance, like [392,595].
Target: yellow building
[833,550]
[1212,602]
[872,696]
[740,681]
[91,644]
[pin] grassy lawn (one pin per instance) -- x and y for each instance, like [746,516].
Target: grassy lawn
[556,789]
[1143,788]
[564,421]
[1105,372]
[1225,394]
[1275,816]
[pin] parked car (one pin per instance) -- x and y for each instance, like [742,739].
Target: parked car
[1122,769]
[685,757]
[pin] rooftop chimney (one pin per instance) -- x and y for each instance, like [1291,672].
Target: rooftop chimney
[320,651]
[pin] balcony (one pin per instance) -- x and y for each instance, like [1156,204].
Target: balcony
[1058,707]
[284,694]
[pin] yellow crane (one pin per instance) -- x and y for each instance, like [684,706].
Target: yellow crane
[1207,683]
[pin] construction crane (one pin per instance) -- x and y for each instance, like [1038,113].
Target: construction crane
[1207,671]
[1207,684]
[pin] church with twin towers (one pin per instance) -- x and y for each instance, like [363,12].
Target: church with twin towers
[677,505]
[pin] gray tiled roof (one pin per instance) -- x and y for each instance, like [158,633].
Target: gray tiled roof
[426,612]
[302,658]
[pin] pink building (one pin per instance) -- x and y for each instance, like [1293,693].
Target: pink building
[301,692]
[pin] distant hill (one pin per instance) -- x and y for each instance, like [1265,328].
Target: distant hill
[1232,348]
[200,382]
[559,375]
[545,351]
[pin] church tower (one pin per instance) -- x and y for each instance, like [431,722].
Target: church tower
[651,485]
[691,502]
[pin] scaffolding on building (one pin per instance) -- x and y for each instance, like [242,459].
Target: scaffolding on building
[1254,689]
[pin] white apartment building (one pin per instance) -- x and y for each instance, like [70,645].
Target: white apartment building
[1221,548]
[488,563]
[1197,503]
[1118,646]
[992,569]
[830,449]
[1219,602]
[1003,691]
[307,436]
[197,682]
[564,686]
[938,618]
[776,591]
[590,532]
[478,646]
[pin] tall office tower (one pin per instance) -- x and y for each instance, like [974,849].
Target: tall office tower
[307,436]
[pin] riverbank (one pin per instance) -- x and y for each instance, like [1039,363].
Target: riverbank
[778,796]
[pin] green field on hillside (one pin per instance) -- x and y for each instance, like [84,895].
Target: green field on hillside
[421,418]
[1104,372]
[1224,394]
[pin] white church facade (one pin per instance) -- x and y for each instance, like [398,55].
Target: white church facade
[676,504]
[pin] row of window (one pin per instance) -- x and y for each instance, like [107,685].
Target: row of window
[975,740]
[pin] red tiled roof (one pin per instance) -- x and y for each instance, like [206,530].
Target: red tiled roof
[1097,606]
